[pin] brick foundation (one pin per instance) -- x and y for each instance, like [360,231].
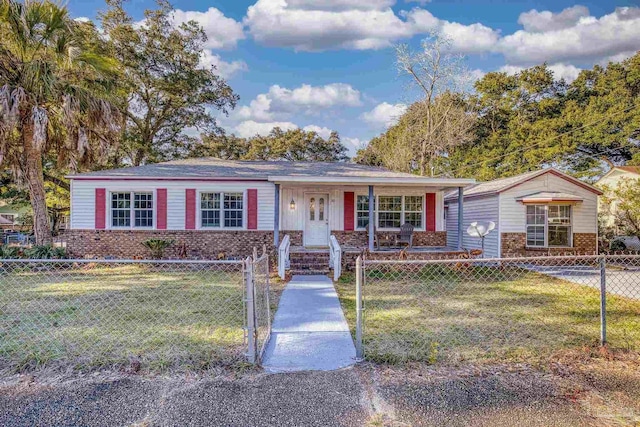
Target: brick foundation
[359,239]
[514,244]
[295,236]
[200,244]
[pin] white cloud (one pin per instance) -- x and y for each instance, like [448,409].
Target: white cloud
[250,128]
[323,132]
[281,102]
[353,145]
[384,115]
[588,39]
[476,74]
[336,5]
[560,71]
[538,22]
[224,69]
[308,96]
[352,24]
[565,71]
[82,19]
[464,38]
[222,32]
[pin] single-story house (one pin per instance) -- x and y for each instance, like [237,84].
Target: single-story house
[10,215]
[212,208]
[609,182]
[536,213]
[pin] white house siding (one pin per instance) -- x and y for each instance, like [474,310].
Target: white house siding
[482,209]
[294,219]
[513,213]
[83,199]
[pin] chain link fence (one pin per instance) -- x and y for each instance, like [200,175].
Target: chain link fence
[500,309]
[155,315]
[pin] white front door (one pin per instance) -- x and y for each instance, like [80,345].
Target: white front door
[316,223]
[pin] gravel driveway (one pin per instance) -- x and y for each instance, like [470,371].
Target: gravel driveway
[360,396]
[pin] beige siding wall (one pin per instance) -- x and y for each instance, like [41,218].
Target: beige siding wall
[513,213]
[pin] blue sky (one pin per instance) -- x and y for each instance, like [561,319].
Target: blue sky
[329,64]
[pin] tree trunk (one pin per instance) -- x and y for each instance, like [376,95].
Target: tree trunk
[35,180]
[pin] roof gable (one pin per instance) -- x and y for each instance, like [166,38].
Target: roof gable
[503,184]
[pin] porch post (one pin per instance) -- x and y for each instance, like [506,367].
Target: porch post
[276,218]
[371,218]
[460,215]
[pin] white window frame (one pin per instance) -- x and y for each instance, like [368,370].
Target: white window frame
[132,219]
[547,225]
[376,210]
[222,226]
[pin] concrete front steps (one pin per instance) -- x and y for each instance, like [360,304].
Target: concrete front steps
[309,262]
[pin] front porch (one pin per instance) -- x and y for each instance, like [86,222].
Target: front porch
[302,260]
[322,218]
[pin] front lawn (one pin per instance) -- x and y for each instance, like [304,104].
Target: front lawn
[138,316]
[439,313]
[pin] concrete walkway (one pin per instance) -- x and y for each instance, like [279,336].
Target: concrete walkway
[310,332]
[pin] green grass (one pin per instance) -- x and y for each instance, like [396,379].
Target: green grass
[445,314]
[91,317]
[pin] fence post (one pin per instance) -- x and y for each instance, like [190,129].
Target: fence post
[603,300]
[250,311]
[359,280]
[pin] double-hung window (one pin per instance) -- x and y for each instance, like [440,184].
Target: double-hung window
[393,211]
[132,209]
[389,211]
[413,210]
[222,210]
[362,211]
[549,225]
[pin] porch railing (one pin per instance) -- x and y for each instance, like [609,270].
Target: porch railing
[335,257]
[283,256]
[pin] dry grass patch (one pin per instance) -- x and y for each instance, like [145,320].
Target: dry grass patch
[141,316]
[438,313]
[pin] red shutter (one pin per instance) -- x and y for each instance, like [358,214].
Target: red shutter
[161,221]
[252,209]
[190,210]
[431,211]
[101,206]
[349,200]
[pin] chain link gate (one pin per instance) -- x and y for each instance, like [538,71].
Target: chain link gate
[258,305]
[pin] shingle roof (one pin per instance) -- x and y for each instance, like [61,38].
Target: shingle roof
[209,167]
[502,184]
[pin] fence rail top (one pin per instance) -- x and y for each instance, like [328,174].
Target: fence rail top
[498,260]
[121,261]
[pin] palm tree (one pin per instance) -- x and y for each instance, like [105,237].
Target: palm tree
[56,83]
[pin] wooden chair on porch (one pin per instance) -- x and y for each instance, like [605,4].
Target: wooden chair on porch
[406,235]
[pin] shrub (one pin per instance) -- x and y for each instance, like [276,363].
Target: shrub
[45,252]
[157,247]
[9,252]
[618,246]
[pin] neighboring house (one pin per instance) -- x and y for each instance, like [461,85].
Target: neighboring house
[210,206]
[544,211]
[9,216]
[610,181]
